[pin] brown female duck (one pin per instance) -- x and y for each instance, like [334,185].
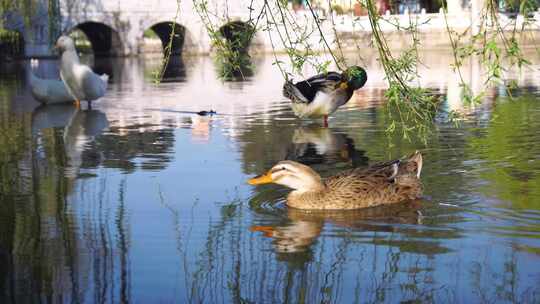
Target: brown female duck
[384,183]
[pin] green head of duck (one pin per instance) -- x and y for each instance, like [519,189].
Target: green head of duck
[356,77]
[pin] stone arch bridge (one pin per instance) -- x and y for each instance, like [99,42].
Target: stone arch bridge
[116,27]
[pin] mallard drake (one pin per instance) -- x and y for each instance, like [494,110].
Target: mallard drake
[384,183]
[322,94]
[81,82]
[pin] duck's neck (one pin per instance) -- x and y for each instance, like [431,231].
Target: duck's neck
[344,96]
[350,92]
[313,198]
[69,58]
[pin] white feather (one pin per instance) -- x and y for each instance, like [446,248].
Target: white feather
[322,104]
[49,91]
[81,82]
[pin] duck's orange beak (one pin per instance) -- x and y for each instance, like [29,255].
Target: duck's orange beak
[267,231]
[261,179]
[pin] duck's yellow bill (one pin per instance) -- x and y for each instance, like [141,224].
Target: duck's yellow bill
[261,179]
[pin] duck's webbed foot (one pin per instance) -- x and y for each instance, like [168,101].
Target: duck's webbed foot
[77,104]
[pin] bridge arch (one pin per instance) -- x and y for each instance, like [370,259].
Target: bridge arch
[104,39]
[241,41]
[181,40]
[239,35]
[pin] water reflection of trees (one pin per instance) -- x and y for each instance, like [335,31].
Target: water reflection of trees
[376,255]
[508,149]
[308,276]
[128,148]
[48,252]
[49,247]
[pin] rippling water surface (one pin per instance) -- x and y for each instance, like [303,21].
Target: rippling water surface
[140,199]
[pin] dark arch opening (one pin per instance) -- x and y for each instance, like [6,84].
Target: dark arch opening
[238,35]
[105,41]
[82,43]
[11,45]
[164,29]
[234,61]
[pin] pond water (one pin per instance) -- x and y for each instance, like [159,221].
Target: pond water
[142,200]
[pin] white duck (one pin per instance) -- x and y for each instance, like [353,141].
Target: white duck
[49,91]
[81,82]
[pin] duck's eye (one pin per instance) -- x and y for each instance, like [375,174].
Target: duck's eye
[277,169]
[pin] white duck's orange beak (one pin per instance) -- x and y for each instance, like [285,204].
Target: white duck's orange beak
[261,179]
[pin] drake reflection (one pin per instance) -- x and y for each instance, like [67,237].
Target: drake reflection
[316,145]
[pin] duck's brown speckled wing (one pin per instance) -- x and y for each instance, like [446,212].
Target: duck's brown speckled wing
[386,171]
[382,183]
[390,170]
[354,189]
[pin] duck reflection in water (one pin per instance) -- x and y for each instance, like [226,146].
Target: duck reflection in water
[201,126]
[316,145]
[80,128]
[303,227]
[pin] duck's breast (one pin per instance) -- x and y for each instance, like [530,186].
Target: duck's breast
[91,85]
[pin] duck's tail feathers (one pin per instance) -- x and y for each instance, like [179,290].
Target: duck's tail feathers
[104,77]
[394,167]
[104,83]
[288,89]
[413,164]
[291,91]
[408,173]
